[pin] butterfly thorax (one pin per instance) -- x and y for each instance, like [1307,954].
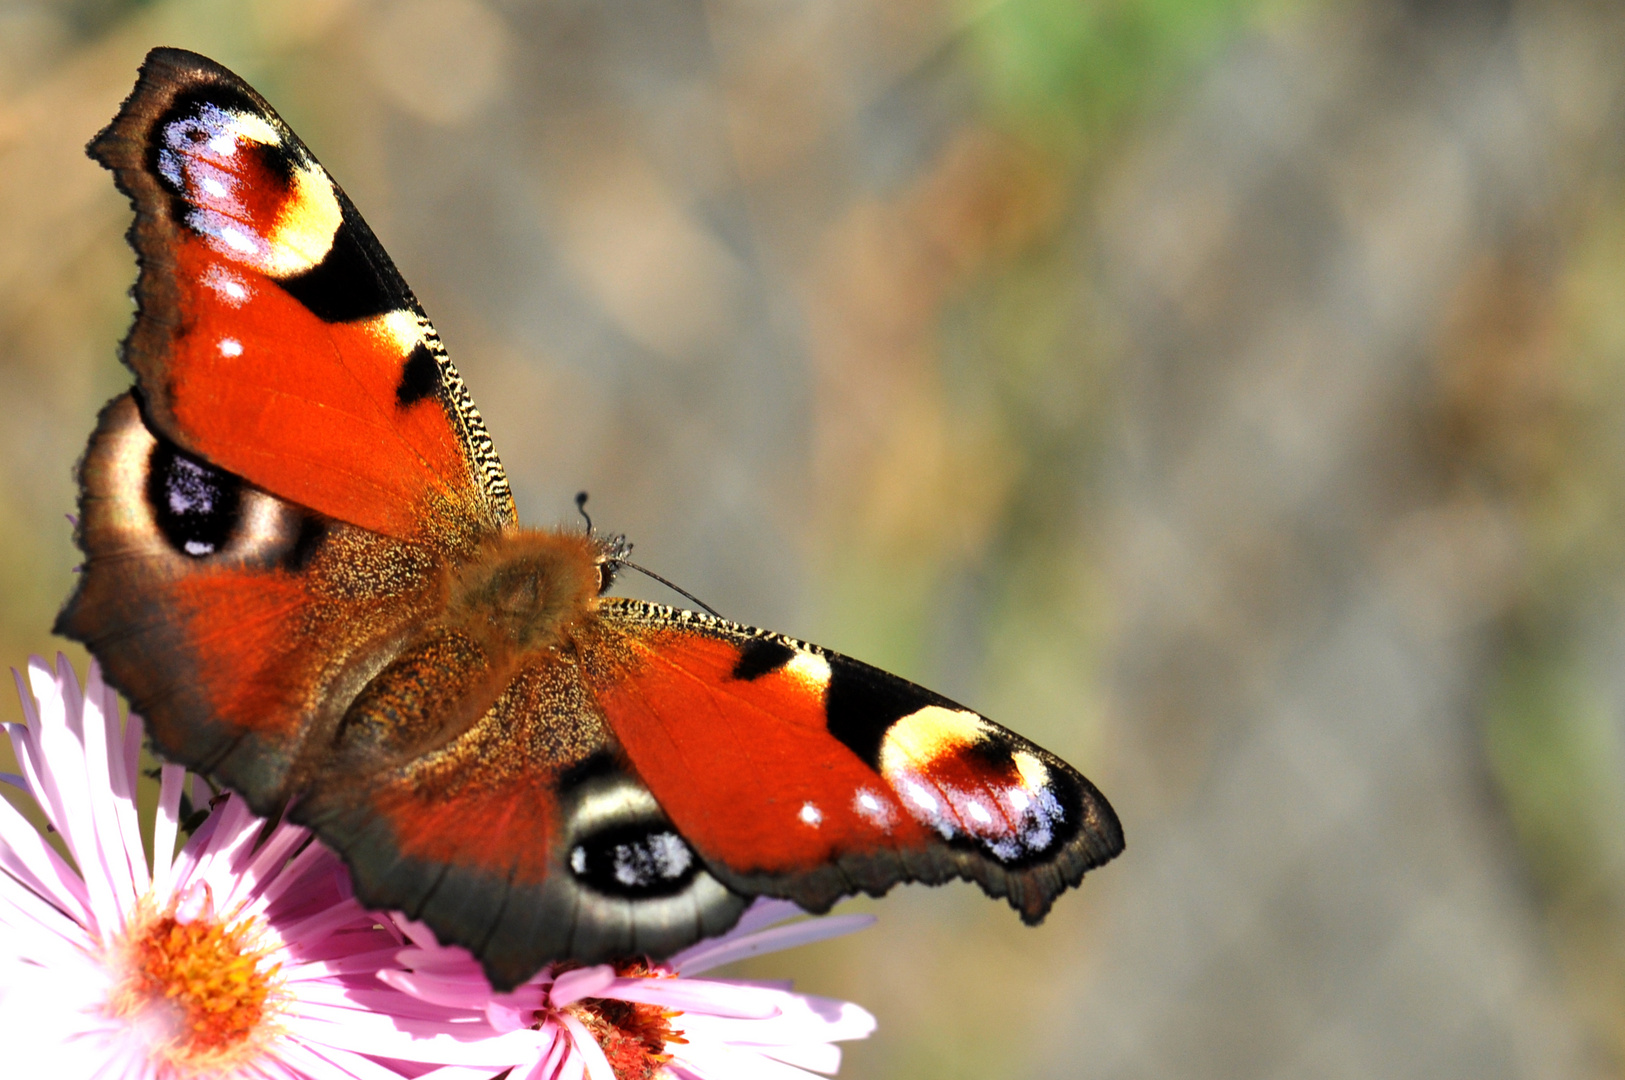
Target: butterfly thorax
[525,588]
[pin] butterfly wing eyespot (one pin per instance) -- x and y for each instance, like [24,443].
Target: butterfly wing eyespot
[195,506]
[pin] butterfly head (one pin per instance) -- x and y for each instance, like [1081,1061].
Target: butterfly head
[612,551]
[613,554]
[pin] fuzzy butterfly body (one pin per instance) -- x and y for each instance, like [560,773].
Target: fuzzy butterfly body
[303,568]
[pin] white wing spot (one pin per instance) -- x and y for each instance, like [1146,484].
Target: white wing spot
[238,240]
[921,797]
[245,125]
[402,329]
[226,284]
[873,809]
[230,347]
[811,814]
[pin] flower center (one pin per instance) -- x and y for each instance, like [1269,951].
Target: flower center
[633,1035]
[200,990]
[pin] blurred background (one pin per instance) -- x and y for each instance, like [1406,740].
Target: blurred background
[1227,394]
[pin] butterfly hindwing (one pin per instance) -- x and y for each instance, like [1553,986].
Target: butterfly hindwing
[802,773]
[274,337]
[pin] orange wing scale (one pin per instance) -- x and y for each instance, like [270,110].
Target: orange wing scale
[236,624]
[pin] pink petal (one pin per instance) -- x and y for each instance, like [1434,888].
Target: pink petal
[699,995]
[382,1036]
[267,862]
[458,1072]
[30,713]
[587,1048]
[723,1063]
[347,964]
[195,849]
[332,1063]
[451,992]
[103,774]
[68,801]
[765,911]
[572,1067]
[505,1018]
[307,861]
[165,827]
[320,923]
[34,863]
[818,1057]
[546,1067]
[726,950]
[39,932]
[572,986]
[233,835]
[800,1018]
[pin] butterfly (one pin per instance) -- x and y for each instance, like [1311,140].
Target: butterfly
[303,567]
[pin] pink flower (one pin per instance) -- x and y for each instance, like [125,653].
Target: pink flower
[641,1021]
[242,956]
[246,957]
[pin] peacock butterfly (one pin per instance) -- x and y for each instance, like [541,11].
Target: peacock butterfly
[303,567]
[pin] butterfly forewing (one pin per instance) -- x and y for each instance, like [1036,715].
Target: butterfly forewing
[802,773]
[275,338]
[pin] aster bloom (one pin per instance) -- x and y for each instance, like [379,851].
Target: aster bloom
[638,1020]
[242,956]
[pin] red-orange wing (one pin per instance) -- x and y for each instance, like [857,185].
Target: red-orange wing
[801,773]
[274,338]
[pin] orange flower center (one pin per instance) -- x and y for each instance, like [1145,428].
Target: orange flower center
[633,1035]
[201,990]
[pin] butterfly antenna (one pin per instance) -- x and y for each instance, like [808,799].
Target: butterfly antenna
[630,565]
[617,559]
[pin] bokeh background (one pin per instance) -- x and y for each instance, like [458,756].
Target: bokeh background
[1228,394]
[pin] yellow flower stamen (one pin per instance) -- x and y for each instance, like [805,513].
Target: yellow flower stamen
[201,988]
[633,1035]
